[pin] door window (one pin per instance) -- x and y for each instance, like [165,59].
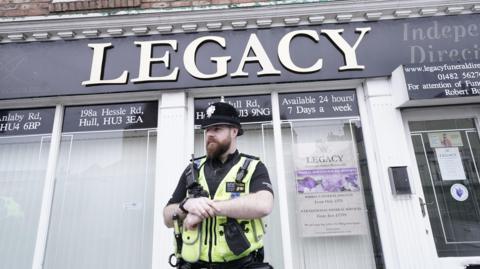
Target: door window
[447,154]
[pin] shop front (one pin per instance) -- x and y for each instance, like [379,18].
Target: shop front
[444,142]
[369,130]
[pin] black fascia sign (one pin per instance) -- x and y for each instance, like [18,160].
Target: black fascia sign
[251,108]
[442,80]
[220,59]
[126,116]
[26,121]
[322,104]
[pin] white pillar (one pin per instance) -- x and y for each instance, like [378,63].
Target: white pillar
[171,160]
[282,188]
[48,187]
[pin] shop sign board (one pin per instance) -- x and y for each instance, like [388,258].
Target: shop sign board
[442,80]
[248,57]
[127,116]
[251,108]
[324,104]
[26,121]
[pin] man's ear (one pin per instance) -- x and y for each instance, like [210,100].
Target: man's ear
[235,131]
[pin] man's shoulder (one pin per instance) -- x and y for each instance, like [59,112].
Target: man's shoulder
[249,156]
[197,161]
[198,158]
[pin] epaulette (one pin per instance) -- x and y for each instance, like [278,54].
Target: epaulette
[249,156]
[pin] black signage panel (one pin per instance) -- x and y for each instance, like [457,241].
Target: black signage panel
[26,121]
[313,105]
[211,59]
[252,108]
[443,80]
[111,117]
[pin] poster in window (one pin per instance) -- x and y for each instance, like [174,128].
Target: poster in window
[445,139]
[330,199]
[450,163]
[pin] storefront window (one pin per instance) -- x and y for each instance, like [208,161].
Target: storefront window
[102,213]
[329,194]
[24,147]
[447,154]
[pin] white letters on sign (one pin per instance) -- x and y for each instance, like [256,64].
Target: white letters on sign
[253,53]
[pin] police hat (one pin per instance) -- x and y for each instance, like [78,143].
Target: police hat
[221,113]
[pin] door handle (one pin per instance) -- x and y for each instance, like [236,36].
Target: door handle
[422,206]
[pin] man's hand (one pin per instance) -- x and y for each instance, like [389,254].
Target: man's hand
[202,207]
[251,206]
[191,221]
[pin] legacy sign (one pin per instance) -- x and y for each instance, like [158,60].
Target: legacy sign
[240,57]
[254,52]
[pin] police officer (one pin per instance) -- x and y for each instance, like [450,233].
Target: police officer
[225,229]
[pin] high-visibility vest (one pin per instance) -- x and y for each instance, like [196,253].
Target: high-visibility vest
[207,243]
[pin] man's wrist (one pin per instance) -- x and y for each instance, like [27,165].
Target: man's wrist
[221,206]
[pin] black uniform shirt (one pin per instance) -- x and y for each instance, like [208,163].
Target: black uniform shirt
[215,171]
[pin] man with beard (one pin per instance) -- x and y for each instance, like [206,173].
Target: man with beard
[227,225]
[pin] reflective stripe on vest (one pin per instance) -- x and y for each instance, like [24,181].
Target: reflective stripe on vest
[213,247]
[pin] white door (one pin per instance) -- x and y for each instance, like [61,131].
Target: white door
[446,146]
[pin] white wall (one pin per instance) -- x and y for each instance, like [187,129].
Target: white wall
[403,230]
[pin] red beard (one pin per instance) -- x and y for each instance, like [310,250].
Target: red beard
[215,149]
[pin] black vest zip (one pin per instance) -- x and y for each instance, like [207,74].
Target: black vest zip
[210,241]
[205,226]
[215,230]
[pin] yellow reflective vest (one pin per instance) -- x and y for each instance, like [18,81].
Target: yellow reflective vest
[207,243]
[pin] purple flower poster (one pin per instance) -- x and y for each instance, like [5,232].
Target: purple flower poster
[330,198]
[327,180]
